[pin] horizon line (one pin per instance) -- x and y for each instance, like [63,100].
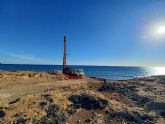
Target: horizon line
[80,65]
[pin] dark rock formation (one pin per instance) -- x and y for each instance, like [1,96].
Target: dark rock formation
[2,113]
[52,111]
[128,91]
[88,101]
[135,117]
[157,106]
[162,113]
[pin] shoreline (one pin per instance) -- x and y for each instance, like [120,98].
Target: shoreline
[112,73]
[94,77]
[136,78]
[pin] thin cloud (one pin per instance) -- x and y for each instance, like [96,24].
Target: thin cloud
[29,59]
[145,37]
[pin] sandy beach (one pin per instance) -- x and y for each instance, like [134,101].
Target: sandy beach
[40,97]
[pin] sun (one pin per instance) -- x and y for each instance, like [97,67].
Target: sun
[159,33]
[161,30]
[155,32]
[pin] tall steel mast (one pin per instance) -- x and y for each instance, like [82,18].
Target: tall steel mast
[64,58]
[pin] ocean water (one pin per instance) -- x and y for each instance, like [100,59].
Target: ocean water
[107,72]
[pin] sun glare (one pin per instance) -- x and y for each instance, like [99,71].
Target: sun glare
[156,34]
[155,70]
[161,30]
[159,71]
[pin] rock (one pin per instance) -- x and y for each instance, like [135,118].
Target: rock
[88,120]
[71,110]
[134,117]
[156,106]
[42,103]
[19,120]
[98,119]
[13,100]
[46,100]
[88,101]
[62,118]
[44,120]
[78,122]
[2,113]
[48,97]
[58,119]
[162,113]
[52,111]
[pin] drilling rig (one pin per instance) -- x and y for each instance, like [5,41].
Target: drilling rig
[76,73]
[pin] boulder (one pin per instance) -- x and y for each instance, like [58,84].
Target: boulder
[88,101]
[2,113]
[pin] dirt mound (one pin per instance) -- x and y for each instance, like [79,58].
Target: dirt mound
[24,75]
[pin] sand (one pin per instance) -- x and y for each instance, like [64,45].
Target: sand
[40,97]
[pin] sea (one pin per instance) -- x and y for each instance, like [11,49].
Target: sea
[106,72]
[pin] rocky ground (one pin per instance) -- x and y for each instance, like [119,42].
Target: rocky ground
[42,98]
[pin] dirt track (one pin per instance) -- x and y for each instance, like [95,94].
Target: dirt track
[20,87]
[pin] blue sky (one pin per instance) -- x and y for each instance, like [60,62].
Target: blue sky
[99,32]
